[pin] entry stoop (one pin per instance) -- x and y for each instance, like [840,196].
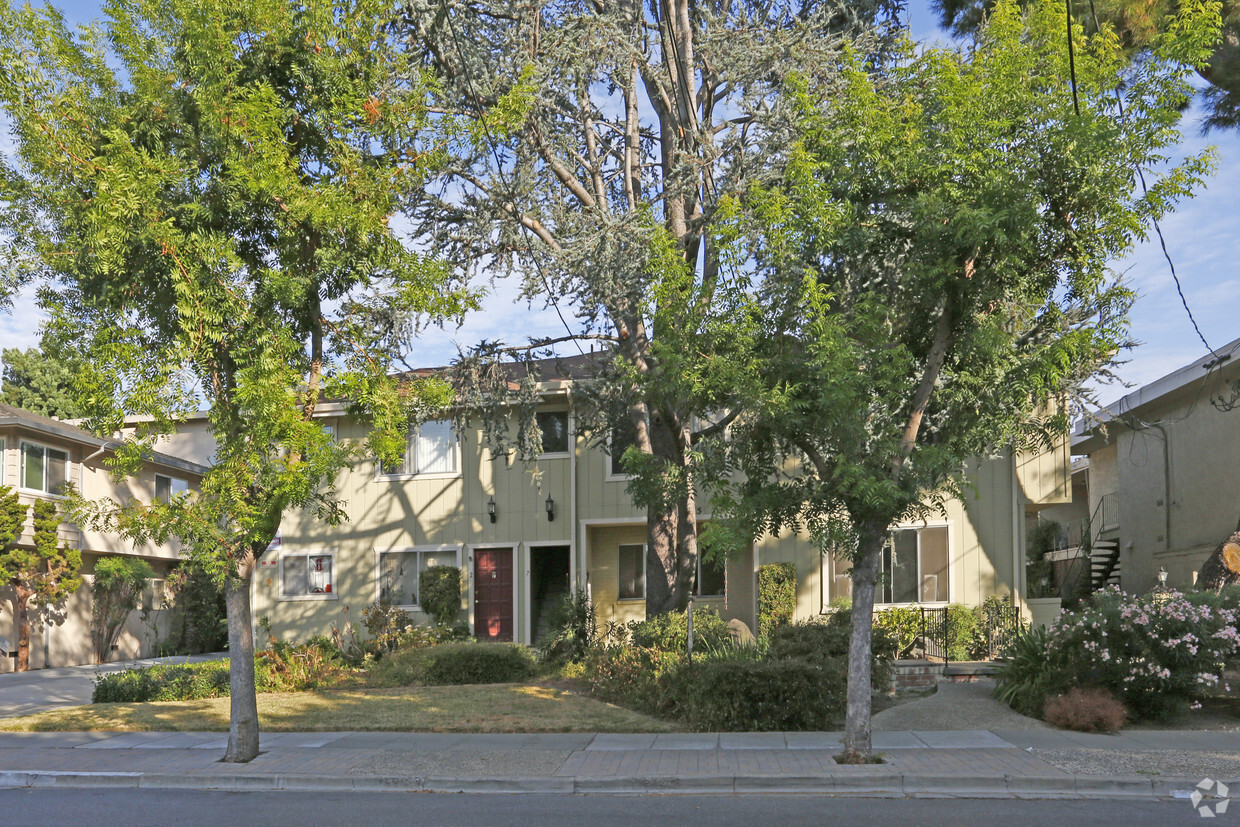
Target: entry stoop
[969,671]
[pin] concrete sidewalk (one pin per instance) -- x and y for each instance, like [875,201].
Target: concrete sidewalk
[25,693]
[962,763]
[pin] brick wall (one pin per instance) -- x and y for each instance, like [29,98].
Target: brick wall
[913,676]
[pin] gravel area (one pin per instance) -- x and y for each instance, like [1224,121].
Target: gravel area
[1225,765]
[955,706]
[525,763]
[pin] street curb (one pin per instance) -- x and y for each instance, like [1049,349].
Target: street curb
[869,785]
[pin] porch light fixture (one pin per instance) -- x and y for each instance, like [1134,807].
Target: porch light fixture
[491,509]
[550,509]
[1162,577]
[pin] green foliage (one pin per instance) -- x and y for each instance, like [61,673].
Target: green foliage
[165,682]
[756,696]
[903,623]
[826,642]
[572,629]
[384,623]
[1031,673]
[633,676]
[116,593]
[669,632]
[462,663]
[440,593]
[40,382]
[777,596]
[198,617]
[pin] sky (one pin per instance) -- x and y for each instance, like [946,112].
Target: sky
[1201,239]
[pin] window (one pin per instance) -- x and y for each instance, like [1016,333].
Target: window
[400,573]
[306,575]
[553,426]
[632,565]
[914,566]
[431,450]
[711,577]
[154,596]
[622,436]
[43,468]
[168,487]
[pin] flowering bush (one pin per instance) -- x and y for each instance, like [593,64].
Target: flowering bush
[1153,652]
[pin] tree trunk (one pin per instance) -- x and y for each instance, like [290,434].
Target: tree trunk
[858,747]
[662,563]
[22,616]
[1222,568]
[243,720]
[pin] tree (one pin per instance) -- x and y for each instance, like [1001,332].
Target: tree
[1139,23]
[206,193]
[45,574]
[117,592]
[39,382]
[593,145]
[933,280]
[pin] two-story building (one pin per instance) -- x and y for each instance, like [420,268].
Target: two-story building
[38,456]
[523,533]
[1164,470]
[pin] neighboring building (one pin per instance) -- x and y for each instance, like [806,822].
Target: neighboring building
[1164,470]
[522,538]
[38,456]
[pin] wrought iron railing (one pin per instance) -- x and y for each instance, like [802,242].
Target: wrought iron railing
[942,634]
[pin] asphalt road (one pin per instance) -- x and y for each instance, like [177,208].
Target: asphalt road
[135,808]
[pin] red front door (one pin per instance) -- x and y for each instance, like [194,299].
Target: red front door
[493,593]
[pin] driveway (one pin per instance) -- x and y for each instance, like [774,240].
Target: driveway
[23,693]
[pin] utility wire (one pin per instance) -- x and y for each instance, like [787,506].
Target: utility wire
[1119,99]
[499,166]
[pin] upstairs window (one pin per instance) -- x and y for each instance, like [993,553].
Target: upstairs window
[44,469]
[167,488]
[432,449]
[553,427]
[622,436]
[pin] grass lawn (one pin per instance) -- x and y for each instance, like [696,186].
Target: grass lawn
[479,708]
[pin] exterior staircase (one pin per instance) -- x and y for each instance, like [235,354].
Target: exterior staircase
[1103,564]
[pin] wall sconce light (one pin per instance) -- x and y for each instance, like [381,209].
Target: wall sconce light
[491,509]
[550,509]
[1162,577]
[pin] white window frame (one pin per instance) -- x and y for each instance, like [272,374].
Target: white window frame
[410,449]
[951,585]
[320,552]
[611,476]
[568,435]
[21,467]
[454,550]
[172,492]
[645,590]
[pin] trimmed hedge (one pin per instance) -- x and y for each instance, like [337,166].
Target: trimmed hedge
[777,596]
[761,695]
[170,682]
[462,663]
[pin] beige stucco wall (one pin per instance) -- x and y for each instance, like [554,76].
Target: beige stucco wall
[407,513]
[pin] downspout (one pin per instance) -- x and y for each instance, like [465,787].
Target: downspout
[1018,562]
[575,574]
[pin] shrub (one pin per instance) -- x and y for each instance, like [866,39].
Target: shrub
[166,682]
[744,695]
[902,625]
[440,588]
[462,663]
[777,595]
[633,676]
[826,642]
[573,629]
[287,667]
[1031,673]
[1086,710]
[383,623]
[117,593]
[1154,653]
[669,632]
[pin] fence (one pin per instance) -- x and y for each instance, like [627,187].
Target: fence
[946,633]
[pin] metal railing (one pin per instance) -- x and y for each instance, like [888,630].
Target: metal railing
[940,636]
